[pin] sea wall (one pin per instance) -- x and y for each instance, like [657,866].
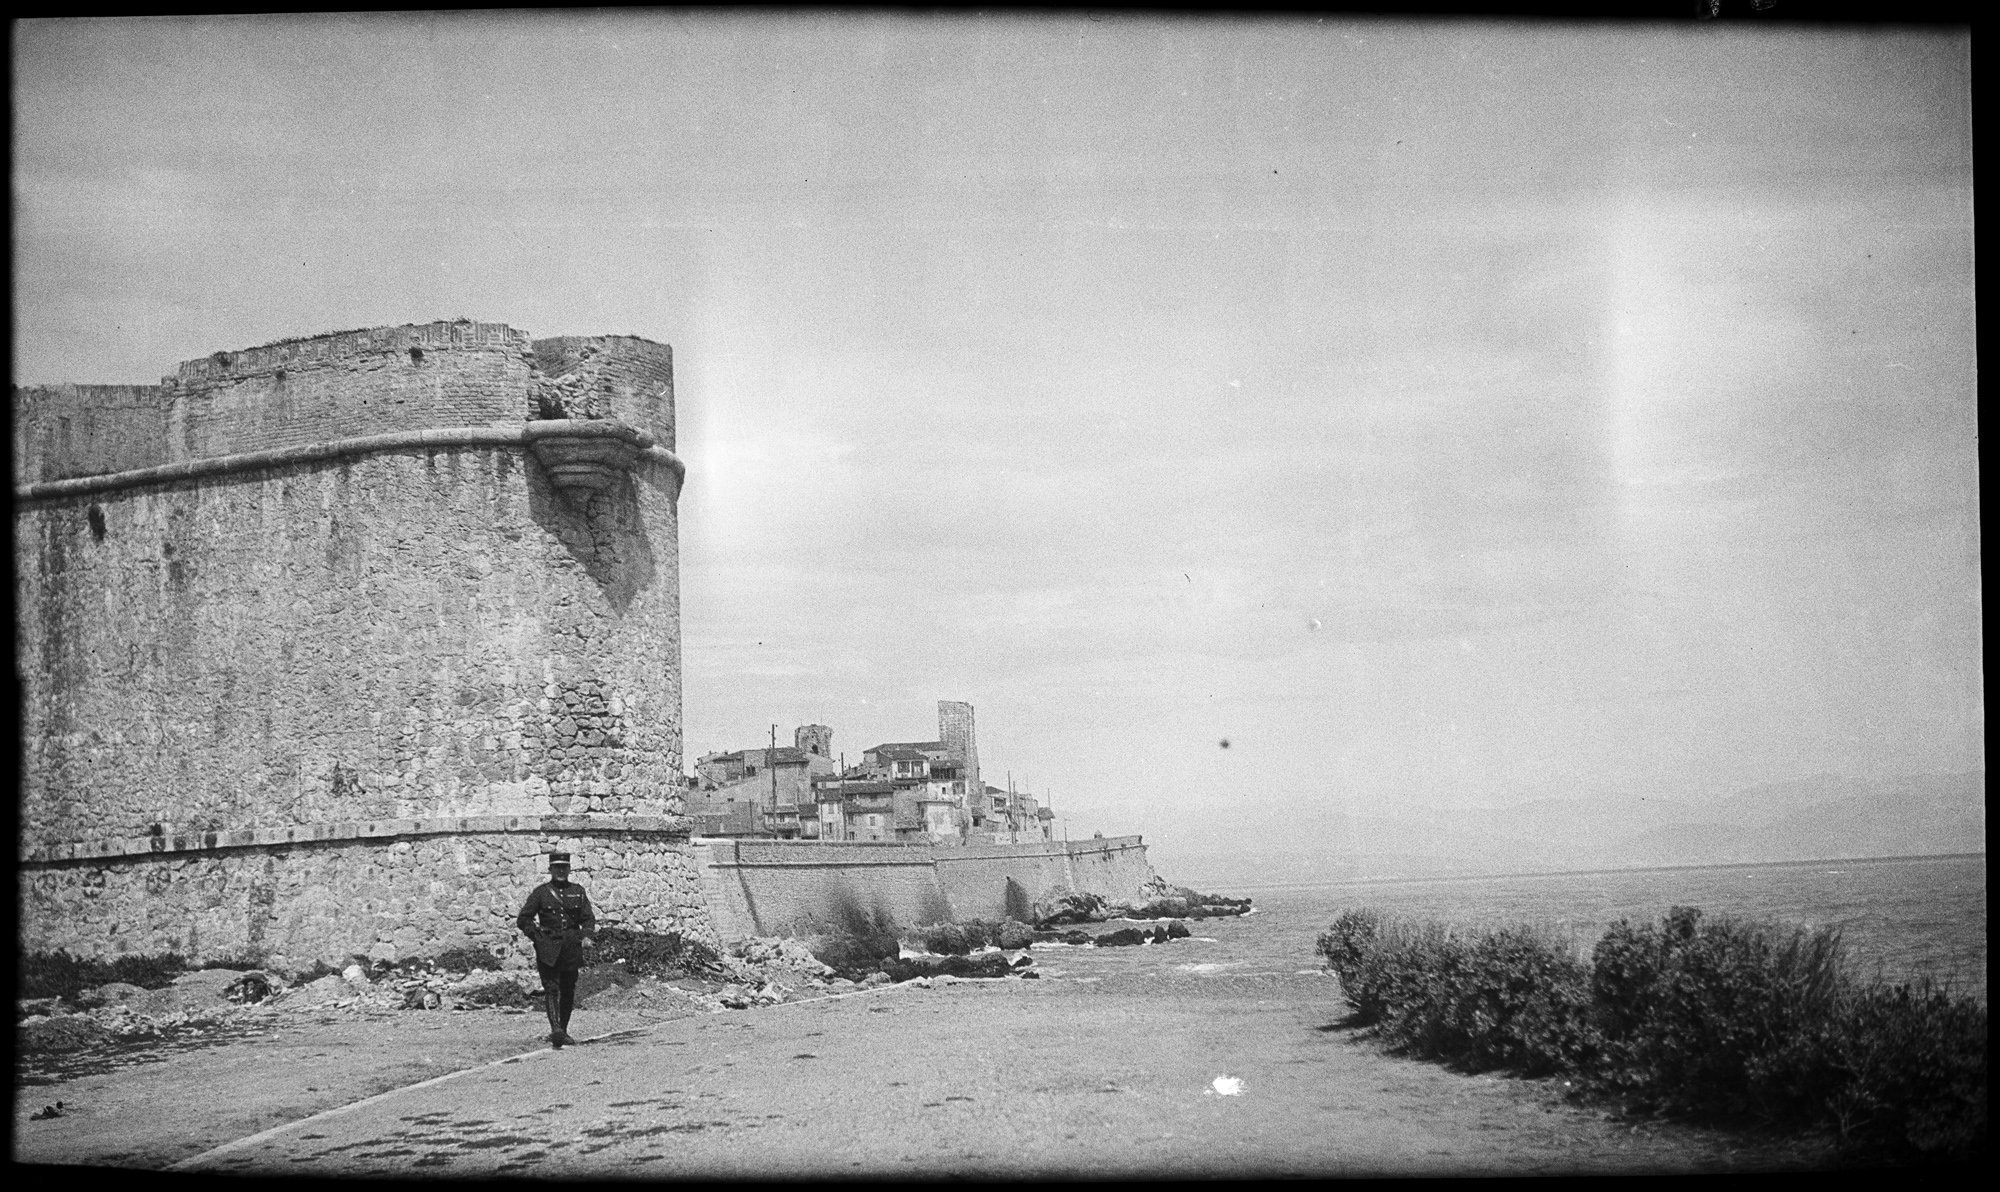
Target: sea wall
[784,887]
[374,576]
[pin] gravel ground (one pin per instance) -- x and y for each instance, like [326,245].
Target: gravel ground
[1105,1066]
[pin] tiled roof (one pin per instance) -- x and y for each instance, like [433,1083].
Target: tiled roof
[838,790]
[932,746]
[782,755]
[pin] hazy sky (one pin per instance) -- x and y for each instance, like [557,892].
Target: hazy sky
[1442,413]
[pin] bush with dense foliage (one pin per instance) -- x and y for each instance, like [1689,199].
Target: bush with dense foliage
[58,974]
[1722,1018]
[1518,998]
[655,954]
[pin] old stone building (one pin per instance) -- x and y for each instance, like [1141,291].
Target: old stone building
[321,644]
[763,792]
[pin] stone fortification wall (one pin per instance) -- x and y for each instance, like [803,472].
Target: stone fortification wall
[353,592]
[410,888]
[405,634]
[768,887]
[610,376]
[62,431]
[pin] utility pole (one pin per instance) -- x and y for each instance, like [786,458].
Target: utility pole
[771,764]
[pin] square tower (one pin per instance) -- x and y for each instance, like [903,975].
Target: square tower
[955,733]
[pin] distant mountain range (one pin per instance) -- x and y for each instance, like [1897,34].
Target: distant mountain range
[1827,816]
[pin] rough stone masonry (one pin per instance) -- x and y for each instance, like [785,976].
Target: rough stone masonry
[321,644]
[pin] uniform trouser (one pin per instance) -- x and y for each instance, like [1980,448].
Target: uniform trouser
[558,994]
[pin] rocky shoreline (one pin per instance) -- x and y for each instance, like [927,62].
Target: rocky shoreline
[101,1023]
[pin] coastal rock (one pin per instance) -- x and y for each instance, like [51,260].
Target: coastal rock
[984,965]
[1062,906]
[1159,899]
[1124,937]
[853,953]
[1013,935]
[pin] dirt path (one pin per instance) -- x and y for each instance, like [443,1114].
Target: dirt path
[1089,1071]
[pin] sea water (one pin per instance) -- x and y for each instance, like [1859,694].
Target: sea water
[1901,918]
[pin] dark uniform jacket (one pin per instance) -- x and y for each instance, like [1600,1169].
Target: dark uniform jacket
[556,917]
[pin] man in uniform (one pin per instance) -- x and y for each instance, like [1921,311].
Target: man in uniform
[556,917]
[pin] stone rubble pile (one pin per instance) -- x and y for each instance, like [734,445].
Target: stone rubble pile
[753,972]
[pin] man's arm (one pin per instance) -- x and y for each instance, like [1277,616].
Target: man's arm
[589,914]
[526,919]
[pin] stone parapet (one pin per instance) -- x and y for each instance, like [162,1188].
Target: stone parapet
[393,829]
[442,334]
[646,453]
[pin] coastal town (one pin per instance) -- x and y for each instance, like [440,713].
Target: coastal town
[913,792]
[513,512]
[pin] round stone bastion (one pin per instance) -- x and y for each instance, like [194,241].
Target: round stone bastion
[322,645]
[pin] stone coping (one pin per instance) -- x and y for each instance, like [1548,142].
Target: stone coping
[887,862]
[726,852]
[384,830]
[650,453]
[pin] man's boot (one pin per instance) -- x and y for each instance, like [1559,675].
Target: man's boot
[568,997]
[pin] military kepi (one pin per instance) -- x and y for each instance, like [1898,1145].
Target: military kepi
[558,859]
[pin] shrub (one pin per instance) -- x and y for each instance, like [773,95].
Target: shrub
[465,958]
[1917,1063]
[1721,1017]
[657,954]
[1516,998]
[58,974]
[1745,1020]
[1019,906]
